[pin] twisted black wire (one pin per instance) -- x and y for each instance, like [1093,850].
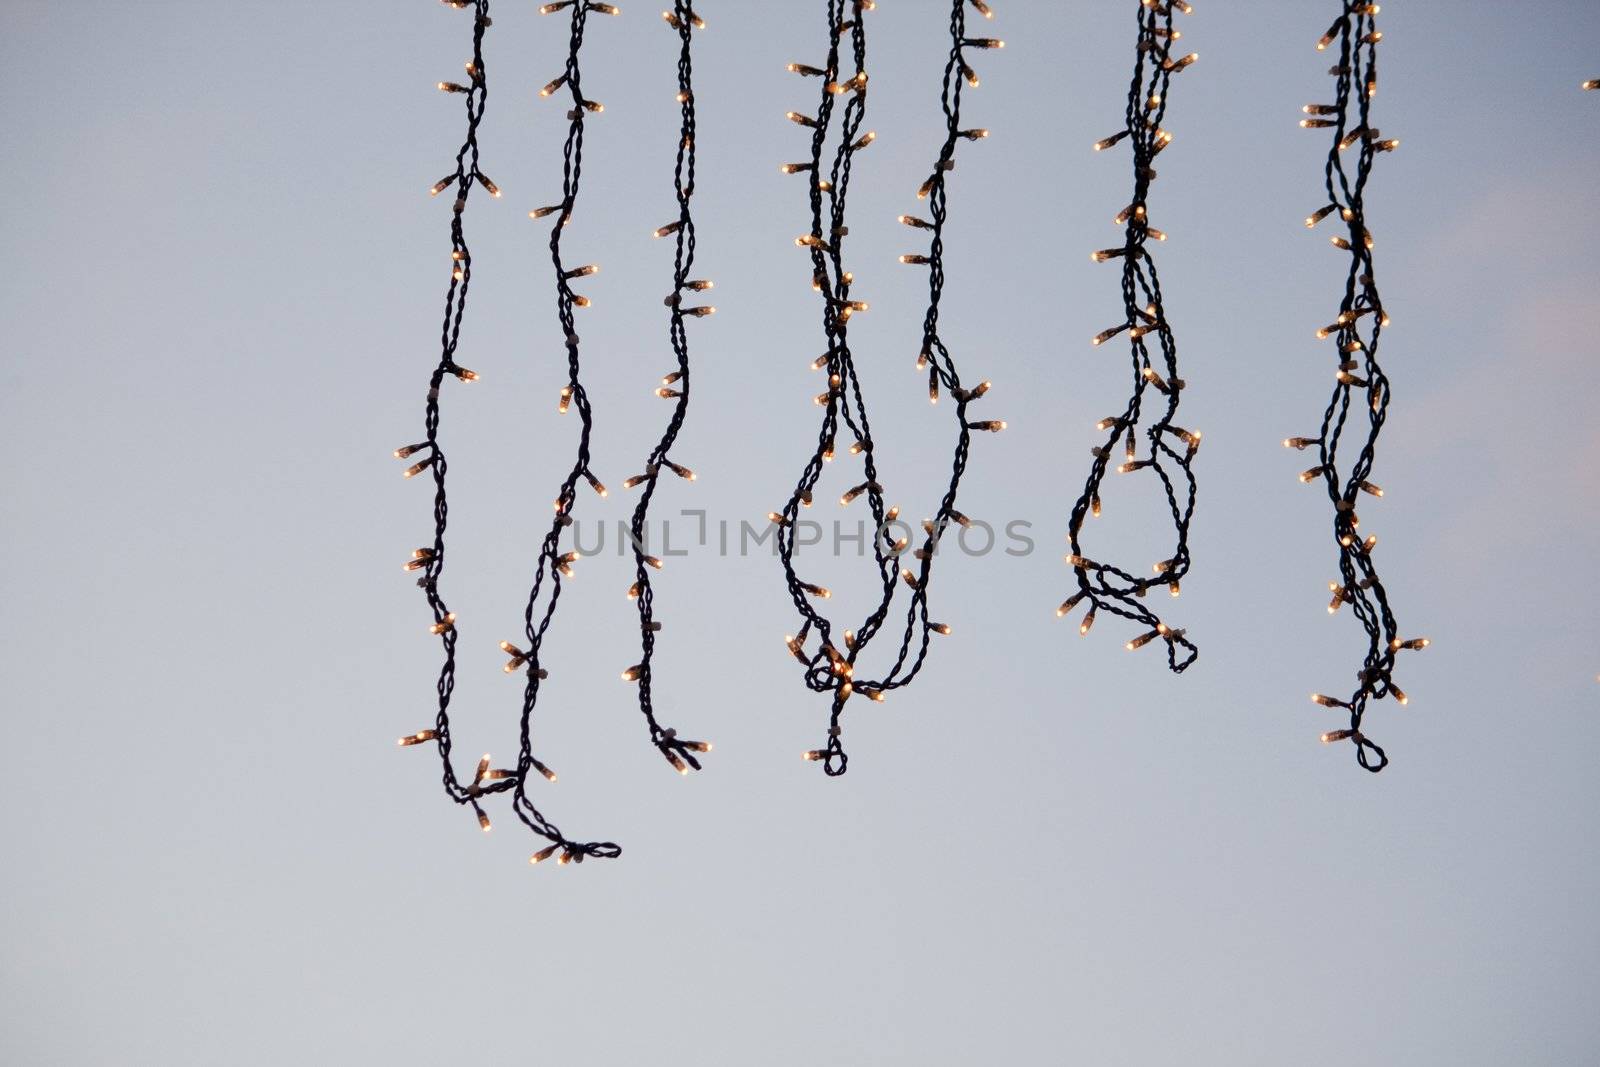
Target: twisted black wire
[832,668]
[1103,586]
[679,753]
[1348,117]
[430,561]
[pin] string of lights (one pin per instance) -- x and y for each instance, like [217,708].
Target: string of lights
[1361,389]
[554,564]
[1103,586]
[831,668]
[681,754]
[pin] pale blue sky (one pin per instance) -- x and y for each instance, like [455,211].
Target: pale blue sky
[225,285]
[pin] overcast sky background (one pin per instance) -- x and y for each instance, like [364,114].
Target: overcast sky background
[225,281]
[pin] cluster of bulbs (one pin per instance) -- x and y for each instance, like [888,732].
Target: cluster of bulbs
[1361,390]
[1170,448]
[831,667]
[555,564]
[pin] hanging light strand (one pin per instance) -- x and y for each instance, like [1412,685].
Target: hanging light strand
[831,668]
[1169,448]
[487,779]
[681,754]
[1361,389]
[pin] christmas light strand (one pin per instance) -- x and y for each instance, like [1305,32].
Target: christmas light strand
[1103,586]
[1361,390]
[832,667]
[488,780]
[681,754]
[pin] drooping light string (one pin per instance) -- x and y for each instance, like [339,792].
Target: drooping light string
[832,667]
[681,754]
[1170,448]
[1361,389]
[488,780]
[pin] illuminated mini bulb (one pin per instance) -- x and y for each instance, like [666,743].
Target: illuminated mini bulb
[1346,378]
[1153,103]
[1087,624]
[806,71]
[594,483]
[805,498]
[1107,142]
[518,657]
[969,74]
[580,301]
[809,240]
[1299,443]
[1069,603]
[892,514]
[1339,595]
[1133,465]
[442,184]
[1340,243]
[933,385]
[632,673]
[452,87]
[445,624]
[1094,505]
[652,562]
[483,820]
[1369,488]
[420,558]
[420,737]
[1145,638]
[1105,335]
[1372,38]
[634,590]
[975,392]
[489,186]
[1320,214]
[815,755]
[1159,235]
[1131,211]
[581,272]
[1150,375]
[551,9]
[801,120]
[1412,644]
[463,374]
[1316,124]
[541,212]
[796,168]
[554,84]
[864,140]
[982,42]
[1387,145]
[700,312]
[1591,84]
[458,274]
[915,259]
[1327,38]
[1311,475]
[679,469]
[909,578]
[1398,694]
[1188,437]
[988,426]
[1174,588]
[858,448]
[1107,253]
[410,450]
[1337,735]
[1328,702]
[821,399]
[820,592]
[668,394]
[669,228]
[564,564]
[855,491]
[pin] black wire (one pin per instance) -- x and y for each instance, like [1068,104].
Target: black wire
[679,753]
[1103,586]
[489,781]
[832,667]
[1359,371]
